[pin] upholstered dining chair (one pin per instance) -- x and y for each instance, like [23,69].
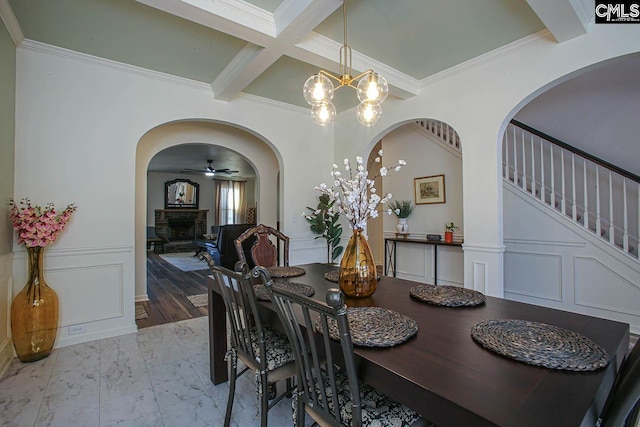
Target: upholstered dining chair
[623,404]
[263,251]
[330,395]
[265,351]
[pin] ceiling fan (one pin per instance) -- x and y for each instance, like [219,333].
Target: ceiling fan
[210,170]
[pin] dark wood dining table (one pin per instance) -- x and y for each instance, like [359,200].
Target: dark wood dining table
[450,379]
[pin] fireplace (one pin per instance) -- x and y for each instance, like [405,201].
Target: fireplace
[182,229]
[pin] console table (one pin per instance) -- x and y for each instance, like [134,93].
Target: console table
[390,252]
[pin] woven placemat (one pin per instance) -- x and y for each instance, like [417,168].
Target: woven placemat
[262,293]
[285,271]
[332,276]
[375,327]
[540,344]
[448,296]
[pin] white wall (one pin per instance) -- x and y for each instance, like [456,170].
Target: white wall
[552,262]
[477,99]
[76,115]
[424,157]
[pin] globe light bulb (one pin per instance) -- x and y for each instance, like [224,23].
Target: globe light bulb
[372,87]
[369,112]
[317,89]
[323,113]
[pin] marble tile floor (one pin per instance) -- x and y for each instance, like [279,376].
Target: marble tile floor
[157,377]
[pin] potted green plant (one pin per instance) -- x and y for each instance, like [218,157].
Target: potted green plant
[324,222]
[448,232]
[402,209]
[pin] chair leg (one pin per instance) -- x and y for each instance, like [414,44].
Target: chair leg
[300,414]
[233,374]
[264,400]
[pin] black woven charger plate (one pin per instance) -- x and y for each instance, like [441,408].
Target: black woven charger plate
[285,271]
[262,293]
[540,344]
[375,327]
[449,296]
[332,276]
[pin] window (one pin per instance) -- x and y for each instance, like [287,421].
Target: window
[230,202]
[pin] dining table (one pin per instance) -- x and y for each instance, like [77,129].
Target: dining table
[442,373]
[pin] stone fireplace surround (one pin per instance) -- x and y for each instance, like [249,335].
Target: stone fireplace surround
[181,216]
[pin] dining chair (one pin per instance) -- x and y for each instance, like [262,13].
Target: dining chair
[263,252]
[623,403]
[251,338]
[330,395]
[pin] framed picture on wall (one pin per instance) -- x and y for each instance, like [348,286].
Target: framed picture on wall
[429,189]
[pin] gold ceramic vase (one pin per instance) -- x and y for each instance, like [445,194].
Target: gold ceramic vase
[34,313]
[357,276]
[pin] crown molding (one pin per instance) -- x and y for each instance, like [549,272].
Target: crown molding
[40,47]
[11,22]
[256,99]
[238,11]
[483,59]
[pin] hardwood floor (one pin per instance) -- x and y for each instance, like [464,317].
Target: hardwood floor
[168,288]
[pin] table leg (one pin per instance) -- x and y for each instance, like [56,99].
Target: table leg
[217,338]
[435,264]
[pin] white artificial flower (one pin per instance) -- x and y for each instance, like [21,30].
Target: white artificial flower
[335,166]
[397,168]
[377,160]
[383,171]
[380,152]
[359,160]
[402,162]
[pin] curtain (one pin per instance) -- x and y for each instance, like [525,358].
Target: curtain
[230,202]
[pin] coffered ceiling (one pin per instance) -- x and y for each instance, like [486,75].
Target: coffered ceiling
[268,48]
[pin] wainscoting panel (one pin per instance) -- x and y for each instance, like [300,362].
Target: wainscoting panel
[597,286]
[533,274]
[98,287]
[95,287]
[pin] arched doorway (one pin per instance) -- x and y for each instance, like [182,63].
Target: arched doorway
[262,157]
[430,148]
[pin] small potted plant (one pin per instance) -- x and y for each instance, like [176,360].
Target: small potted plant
[402,209]
[448,232]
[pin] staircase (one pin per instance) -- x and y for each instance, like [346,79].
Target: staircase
[598,196]
[444,133]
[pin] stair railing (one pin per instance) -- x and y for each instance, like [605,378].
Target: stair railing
[441,131]
[599,196]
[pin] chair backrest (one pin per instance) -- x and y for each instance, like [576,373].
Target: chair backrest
[623,403]
[312,347]
[245,326]
[263,252]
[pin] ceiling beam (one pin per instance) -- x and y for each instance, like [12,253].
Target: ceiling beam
[11,22]
[565,19]
[297,19]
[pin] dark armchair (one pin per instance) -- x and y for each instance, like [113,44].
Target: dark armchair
[226,235]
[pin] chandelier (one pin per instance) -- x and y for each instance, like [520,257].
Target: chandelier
[371,87]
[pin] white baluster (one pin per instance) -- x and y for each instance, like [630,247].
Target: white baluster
[611,229]
[533,169]
[625,231]
[524,163]
[586,195]
[506,153]
[598,222]
[574,210]
[542,189]
[553,179]
[564,205]
[515,158]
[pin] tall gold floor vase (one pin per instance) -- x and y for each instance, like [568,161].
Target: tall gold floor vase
[34,313]
[357,276]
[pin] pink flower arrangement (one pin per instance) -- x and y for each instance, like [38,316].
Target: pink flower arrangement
[36,225]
